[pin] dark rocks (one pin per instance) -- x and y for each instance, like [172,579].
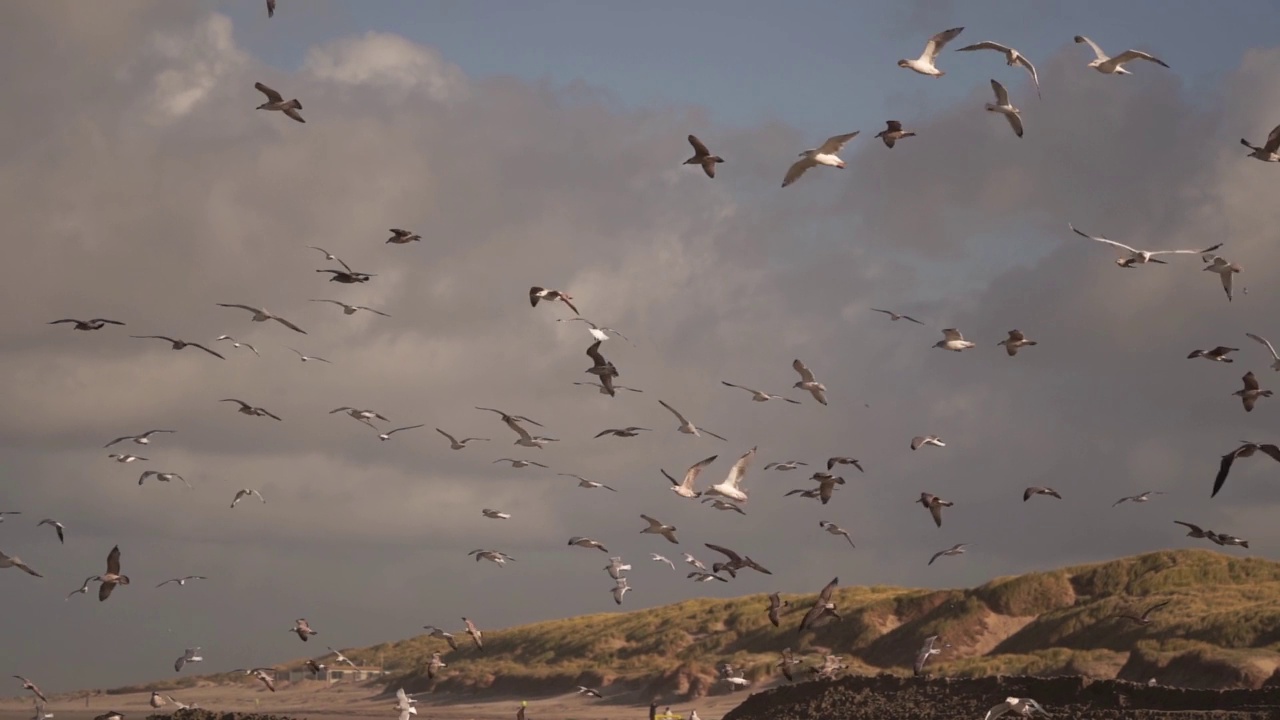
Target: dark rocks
[889,697]
[200,714]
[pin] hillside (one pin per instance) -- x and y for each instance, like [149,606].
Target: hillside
[1220,630]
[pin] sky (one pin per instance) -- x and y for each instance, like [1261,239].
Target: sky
[541,145]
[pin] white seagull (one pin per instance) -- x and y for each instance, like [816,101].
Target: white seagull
[57,526]
[616,567]
[495,515]
[261,315]
[1115,65]
[236,343]
[759,395]
[276,101]
[895,316]
[684,488]
[351,309]
[597,332]
[619,590]
[1015,340]
[729,488]
[1011,57]
[519,463]
[920,441]
[1225,270]
[1275,365]
[1006,108]
[192,655]
[182,580]
[952,340]
[364,416]
[246,492]
[824,154]
[142,439]
[305,358]
[455,443]
[925,63]
[1020,706]
[1269,152]
[808,382]
[662,559]
[657,527]
[1141,257]
[687,427]
[835,529]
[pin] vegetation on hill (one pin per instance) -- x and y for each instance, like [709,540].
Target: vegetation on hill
[1221,629]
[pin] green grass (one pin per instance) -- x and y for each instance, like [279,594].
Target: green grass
[1225,611]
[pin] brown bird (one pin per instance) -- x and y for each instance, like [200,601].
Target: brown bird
[1195,531]
[315,667]
[1015,340]
[702,156]
[934,505]
[785,664]
[94,324]
[822,606]
[1144,619]
[261,674]
[178,344]
[434,665]
[1251,392]
[776,603]
[28,685]
[271,8]
[1026,494]
[112,576]
[474,632]
[736,562]
[893,132]
[1245,450]
[303,630]
[1218,354]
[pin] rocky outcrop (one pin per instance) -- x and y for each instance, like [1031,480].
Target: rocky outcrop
[887,697]
[199,714]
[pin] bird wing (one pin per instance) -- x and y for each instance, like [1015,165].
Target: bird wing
[511,423]
[951,334]
[699,150]
[806,374]
[937,42]
[1273,140]
[836,143]
[1101,239]
[1250,382]
[272,95]
[243,404]
[407,427]
[797,169]
[985,45]
[1264,341]
[451,438]
[825,594]
[1035,77]
[1002,95]
[1128,55]
[739,468]
[369,309]
[593,352]
[1196,528]
[653,524]
[1223,469]
[1015,122]
[113,561]
[215,354]
[935,509]
[254,310]
[1096,51]
[937,555]
[674,412]
[288,324]
[1005,706]
[734,557]
[692,473]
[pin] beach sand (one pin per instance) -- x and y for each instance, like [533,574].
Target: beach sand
[350,700]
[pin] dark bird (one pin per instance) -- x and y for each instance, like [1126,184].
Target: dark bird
[1218,354]
[822,606]
[303,630]
[178,344]
[271,8]
[1245,450]
[934,505]
[832,462]
[1144,619]
[94,324]
[1251,392]
[112,577]
[702,156]
[1036,490]
[785,662]
[892,133]
[776,603]
[1195,531]
[736,562]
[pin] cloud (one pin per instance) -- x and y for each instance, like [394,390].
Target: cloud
[160,192]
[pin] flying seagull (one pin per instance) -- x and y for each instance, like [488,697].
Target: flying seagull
[126,457]
[616,567]
[276,101]
[835,529]
[926,651]
[957,549]
[339,657]
[1225,539]
[730,487]
[784,466]
[236,343]
[736,562]
[808,382]
[954,341]
[305,358]
[585,483]
[785,662]
[826,486]
[687,427]
[1006,108]
[607,390]
[261,315]
[524,439]
[727,505]
[94,324]
[1024,707]
[583,690]
[626,432]
[28,685]
[822,606]
[657,527]
[162,477]
[182,580]
[1015,341]
[1251,392]
[252,410]
[178,344]
[1145,618]
[302,629]
[1139,498]
[1194,531]
[934,505]
[519,463]
[1217,354]
[190,656]
[920,441]
[8,561]
[363,415]
[352,309]
[433,667]
[1115,65]
[758,395]
[4,513]
[684,488]
[893,132]
[776,603]
[387,435]
[540,293]
[327,255]
[495,514]
[925,63]
[597,332]
[832,462]
[702,156]
[112,577]
[402,237]
[1026,494]
[1275,365]
[271,8]
[474,632]
[1269,152]
[1225,270]
[456,444]
[601,367]
[895,316]
[142,439]
[1011,56]
[1140,257]
[824,154]
[1247,449]
[84,588]
[57,526]
[244,493]
[662,559]
[586,542]
[619,590]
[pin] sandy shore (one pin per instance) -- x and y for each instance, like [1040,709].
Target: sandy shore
[310,699]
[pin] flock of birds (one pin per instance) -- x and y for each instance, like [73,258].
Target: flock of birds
[727,495]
